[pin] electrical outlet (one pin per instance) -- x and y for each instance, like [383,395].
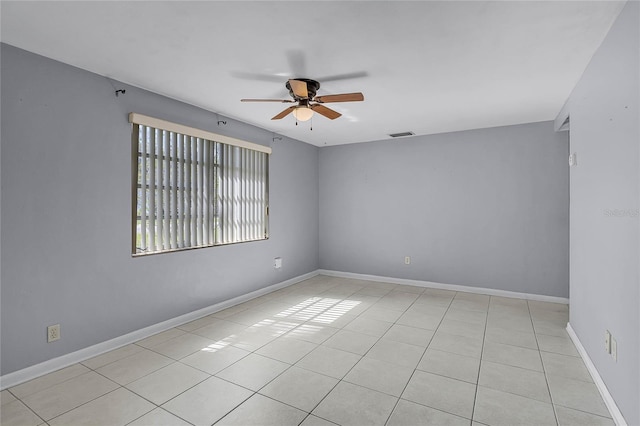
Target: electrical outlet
[614,349]
[53,333]
[407,260]
[277,262]
[607,341]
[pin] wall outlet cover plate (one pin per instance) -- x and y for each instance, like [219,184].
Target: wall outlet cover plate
[53,333]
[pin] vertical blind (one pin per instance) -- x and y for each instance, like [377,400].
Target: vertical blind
[193,191]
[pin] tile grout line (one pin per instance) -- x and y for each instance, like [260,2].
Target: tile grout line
[544,370]
[28,408]
[78,406]
[85,403]
[158,408]
[160,405]
[484,336]
[48,387]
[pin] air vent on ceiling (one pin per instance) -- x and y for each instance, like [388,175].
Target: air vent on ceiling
[401,134]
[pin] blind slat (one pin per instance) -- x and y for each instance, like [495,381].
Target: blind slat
[142,173]
[174,192]
[152,189]
[180,191]
[201,199]
[212,177]
[194,194]
[159,190]
[187,188]
[167,190]
[205,192]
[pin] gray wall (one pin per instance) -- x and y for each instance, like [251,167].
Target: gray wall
[66,218]
[604,244]
[481,208]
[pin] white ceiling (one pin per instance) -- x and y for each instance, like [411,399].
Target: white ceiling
[431,66]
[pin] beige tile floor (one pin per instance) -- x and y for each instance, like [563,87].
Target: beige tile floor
[333,351]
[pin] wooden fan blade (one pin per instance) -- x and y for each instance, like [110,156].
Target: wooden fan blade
[299,88]
[327,112]
[344,97]
[284,113]
[284,101]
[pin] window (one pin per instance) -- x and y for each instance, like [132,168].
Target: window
[194,189]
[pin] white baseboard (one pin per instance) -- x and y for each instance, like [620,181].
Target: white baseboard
[606,396]
[453,287]
[29,373]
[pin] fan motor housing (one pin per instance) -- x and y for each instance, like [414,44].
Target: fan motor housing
[312,87]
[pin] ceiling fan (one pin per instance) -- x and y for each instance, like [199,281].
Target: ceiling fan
[303,91]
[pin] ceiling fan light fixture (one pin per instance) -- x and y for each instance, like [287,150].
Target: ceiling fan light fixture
[303,113]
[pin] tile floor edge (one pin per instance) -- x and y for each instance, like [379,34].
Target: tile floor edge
[452,287]
[20,376]
[602,388]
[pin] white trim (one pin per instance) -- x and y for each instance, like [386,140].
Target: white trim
[21,376]
[606,396]
[453,287]
[192,131]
